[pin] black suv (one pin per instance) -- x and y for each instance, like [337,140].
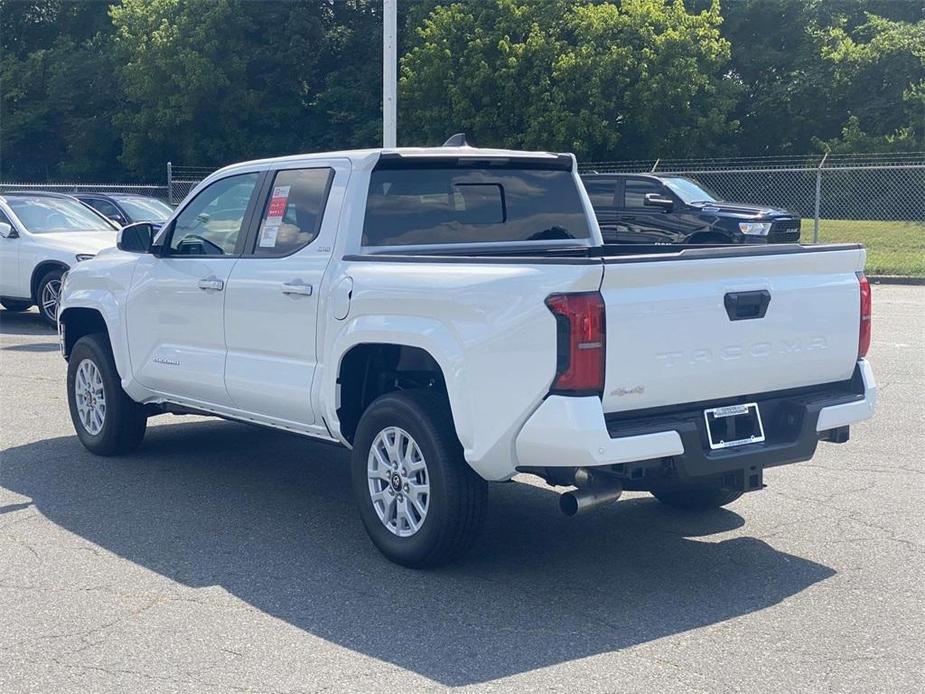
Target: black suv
[648,208]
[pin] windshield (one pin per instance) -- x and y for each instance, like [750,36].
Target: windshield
[41,215]
[690,191]
[142,209]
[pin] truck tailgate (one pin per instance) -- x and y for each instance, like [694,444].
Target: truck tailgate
[689,329]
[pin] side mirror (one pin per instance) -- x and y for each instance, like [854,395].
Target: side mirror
[135,238]
[7,232]
[658,200]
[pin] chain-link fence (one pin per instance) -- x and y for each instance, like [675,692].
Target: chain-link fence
[182,179]
[874,199]
[140,189]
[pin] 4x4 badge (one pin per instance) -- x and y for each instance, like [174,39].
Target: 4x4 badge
[620,392]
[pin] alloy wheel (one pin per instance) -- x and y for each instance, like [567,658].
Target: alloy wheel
[51,295]
[399,485]
[90,397]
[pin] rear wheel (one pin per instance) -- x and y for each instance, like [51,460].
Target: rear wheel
[107,421]
[419,500]
[49,295]
[698,499]
[15,304]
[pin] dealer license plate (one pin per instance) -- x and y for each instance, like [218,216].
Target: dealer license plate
[734,425]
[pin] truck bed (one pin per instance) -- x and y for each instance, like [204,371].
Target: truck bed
[732,320]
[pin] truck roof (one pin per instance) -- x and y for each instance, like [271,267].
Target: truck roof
[626,174]
[367,158]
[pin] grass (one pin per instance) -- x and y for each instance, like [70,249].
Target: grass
[893,248]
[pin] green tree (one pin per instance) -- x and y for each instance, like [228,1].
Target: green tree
[879,80]
[215,82]
[642,78]
[804,66]
[58,94]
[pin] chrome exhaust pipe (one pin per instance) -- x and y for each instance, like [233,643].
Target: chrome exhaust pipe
[597,492]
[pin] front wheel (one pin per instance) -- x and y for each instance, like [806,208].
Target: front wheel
[698,499]
[107,421]
[49,295]
[419,500]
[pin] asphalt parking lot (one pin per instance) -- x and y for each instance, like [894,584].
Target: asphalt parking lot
[227,558]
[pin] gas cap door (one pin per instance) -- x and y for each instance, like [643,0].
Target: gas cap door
[340,300]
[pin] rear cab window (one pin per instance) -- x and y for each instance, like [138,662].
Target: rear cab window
[416,202]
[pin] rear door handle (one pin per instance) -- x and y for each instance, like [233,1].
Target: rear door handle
[297,287]
[212,283]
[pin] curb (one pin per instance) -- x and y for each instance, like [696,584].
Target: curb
[896,279]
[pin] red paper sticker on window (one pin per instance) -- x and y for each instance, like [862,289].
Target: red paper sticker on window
[278,202]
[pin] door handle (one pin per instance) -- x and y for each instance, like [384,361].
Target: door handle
[297,287]
[212,283]
[747,305]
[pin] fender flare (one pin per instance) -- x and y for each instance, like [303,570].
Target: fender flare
[427,334]
[104,303]
[39,271]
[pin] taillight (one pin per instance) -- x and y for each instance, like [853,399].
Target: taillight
[580,343]
[864,332]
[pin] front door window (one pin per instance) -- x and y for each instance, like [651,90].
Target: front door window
[212,223]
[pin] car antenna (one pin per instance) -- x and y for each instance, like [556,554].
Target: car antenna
[457,140]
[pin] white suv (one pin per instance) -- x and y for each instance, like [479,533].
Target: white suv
[42,235]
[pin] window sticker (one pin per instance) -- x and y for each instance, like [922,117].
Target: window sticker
[275,212]
[268,236]
[278,204]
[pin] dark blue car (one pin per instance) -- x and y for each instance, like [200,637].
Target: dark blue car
[127,208]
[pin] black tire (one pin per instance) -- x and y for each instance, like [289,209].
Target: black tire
[16,304]
[698,499]
[456,504]
[49,313]
[124,421]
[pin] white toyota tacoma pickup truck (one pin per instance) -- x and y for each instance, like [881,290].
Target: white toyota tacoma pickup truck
[453,316]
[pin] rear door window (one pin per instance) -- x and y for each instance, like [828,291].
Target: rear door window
[637,189]
[425,205]
[104,207]
[292,217]
[601,192]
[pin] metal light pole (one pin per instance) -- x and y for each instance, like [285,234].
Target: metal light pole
[389,72]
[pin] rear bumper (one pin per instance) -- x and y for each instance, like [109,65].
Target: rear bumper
[574,432]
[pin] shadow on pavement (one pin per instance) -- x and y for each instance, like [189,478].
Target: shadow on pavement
[268,517]
[23,323]
[33,347]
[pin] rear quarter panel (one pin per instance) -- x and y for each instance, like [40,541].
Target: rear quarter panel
[487,326]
